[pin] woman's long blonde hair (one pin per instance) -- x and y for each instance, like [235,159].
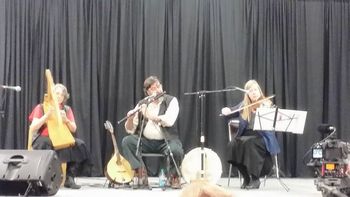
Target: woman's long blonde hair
[246,112]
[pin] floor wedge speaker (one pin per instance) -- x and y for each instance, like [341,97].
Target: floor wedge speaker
[34,173]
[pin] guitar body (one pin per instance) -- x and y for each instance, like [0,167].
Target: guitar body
[118,169]
[119,172]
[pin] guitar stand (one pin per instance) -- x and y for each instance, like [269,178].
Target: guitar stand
[111,184]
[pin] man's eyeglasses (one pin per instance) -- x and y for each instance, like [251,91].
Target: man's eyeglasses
[155,86]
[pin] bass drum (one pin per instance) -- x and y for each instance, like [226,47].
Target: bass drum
[191,165]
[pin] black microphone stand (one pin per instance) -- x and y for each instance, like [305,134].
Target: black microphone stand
[3,98]
[139,147]
[201,95]
[138,151]
[2,104]
[2,108]
[147,101]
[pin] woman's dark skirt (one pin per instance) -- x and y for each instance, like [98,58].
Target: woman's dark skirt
[250,152]
[75,154]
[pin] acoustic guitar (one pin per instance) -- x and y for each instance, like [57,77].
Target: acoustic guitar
[118,169]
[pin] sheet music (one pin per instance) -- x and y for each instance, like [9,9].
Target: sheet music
[286,120]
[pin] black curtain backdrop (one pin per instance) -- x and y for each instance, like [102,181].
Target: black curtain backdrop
[102,50]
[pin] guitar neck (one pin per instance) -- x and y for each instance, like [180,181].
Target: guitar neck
[116,150]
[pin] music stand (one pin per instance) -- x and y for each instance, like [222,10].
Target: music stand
[282,120]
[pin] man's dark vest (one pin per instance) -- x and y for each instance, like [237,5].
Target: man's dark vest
[169,132]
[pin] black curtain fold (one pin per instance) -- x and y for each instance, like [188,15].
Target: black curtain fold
[103,50]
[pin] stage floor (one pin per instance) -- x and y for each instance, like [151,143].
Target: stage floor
[97,186]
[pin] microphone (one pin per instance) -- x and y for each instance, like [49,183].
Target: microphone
[240,89]
[151,98]
[326,128]
[15,88]
[147,99]
[331,128]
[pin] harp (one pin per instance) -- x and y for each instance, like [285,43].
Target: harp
[59,133]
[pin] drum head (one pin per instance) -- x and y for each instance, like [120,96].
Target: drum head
[191,165]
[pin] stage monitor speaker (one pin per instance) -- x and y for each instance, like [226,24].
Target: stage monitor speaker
[34,173]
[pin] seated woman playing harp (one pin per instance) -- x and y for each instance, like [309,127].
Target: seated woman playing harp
[76,156]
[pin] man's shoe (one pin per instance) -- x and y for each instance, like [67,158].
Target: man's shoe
[135,181]
[143,178]
[70,183]
[140,179]
[253,184]
[245,183]
[175,182]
